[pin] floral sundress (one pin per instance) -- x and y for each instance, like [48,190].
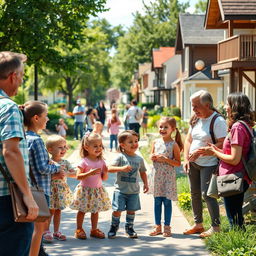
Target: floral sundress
[163,176]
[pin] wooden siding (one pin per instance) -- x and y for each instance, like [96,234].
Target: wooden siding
[239,7]
[239,47]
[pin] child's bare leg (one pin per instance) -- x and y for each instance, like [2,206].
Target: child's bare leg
[39,228]
[80,219]
[56,220]
[94,220]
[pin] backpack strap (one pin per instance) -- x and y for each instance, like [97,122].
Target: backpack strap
[247,127]
[211,127]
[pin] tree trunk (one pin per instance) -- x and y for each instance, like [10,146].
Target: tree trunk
[36,82]
[70,93]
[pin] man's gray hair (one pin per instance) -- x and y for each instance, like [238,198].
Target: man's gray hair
[204,96]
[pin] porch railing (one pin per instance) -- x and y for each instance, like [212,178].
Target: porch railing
[239,47]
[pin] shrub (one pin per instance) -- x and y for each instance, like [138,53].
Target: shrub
[242,252]
[152,121]
[147,105]
[184,200]
[176,111]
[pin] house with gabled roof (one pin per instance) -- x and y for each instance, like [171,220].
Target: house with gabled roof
[197,48]
[236,52]
[166,65]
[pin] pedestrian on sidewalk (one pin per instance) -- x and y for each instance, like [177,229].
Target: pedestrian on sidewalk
[90,195]
[200,168]
[62,128]
[35,119]
[78,113]
[134,115]
[165,155]
[61,195]
[113,129]
[128,166]
[15,237]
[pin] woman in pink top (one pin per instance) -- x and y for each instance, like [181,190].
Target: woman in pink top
[90,195]
[235,146]
[113,129]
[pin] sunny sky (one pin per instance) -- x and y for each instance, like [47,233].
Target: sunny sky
[121,10]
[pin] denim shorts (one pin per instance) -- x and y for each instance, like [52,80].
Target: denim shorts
[125,202]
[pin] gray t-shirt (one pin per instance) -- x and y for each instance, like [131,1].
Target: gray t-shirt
[128,182]
[79,118]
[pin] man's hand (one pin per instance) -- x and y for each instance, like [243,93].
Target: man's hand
[32,207]
[186,167]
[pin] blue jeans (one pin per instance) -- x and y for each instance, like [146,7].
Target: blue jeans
[113,138]
[15,238]
[234,206]
[135,127]
[79,126]
[167,210]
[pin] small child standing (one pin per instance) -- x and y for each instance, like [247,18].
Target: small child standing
[128,166]
[62,128]
[97,127]
[61,195]
[113,129]
[35,119]
[90,195]
[165,155]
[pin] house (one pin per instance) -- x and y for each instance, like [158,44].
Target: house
[146,77]
[165,64]
[197,48]
[236,52]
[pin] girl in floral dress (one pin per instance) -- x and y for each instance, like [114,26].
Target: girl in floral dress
[61,195]
[165,155]
[90,195]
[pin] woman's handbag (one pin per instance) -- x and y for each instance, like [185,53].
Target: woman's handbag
[213,189]
[20,210]
[230,184]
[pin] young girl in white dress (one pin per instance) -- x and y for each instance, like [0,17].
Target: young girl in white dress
[165,155]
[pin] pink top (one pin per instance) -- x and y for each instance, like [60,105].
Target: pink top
[114,127]
[238,136]
[94,181]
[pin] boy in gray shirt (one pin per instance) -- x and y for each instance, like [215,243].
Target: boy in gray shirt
[129,167]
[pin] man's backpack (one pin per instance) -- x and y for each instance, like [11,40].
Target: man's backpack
[250,163]
[138,114]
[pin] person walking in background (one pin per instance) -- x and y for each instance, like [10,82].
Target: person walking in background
[101,112]
[61,195]
[165,155]
[62,128]
[128,166]
[134,115]
[125,117]
[98,127]
[90,119]
[90,195]
[35,119]
[236,145]
[15,237]
[200,168]
[79,112]
[144,123]
[113,129]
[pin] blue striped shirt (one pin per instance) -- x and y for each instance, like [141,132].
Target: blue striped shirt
[11,126]
[39,161]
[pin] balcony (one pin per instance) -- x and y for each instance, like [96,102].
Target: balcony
[237,48]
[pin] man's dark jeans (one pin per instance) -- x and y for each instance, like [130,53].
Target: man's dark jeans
[135,127]
[79,126]
[15,238]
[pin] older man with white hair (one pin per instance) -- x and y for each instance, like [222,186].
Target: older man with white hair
[206,126]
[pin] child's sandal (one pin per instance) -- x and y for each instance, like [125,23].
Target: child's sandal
[97,234]
[59,236]
[167,231]
[80,234]
[156,231]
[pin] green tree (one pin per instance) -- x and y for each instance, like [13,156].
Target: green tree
[35,27]
[154,29]
[200,6]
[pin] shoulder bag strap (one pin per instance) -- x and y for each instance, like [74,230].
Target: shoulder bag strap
[212,126]
[247,127]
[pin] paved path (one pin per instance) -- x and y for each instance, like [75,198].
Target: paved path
[145,245]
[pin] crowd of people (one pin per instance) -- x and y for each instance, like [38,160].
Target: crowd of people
[21,151]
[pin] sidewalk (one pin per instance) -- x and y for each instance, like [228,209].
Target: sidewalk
[145,245]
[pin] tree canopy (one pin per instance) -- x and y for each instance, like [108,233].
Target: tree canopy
[157,27]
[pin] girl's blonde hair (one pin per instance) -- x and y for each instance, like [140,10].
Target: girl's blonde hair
[86,140]
[53,140]
[172,122]
[32,108]
[122,137]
